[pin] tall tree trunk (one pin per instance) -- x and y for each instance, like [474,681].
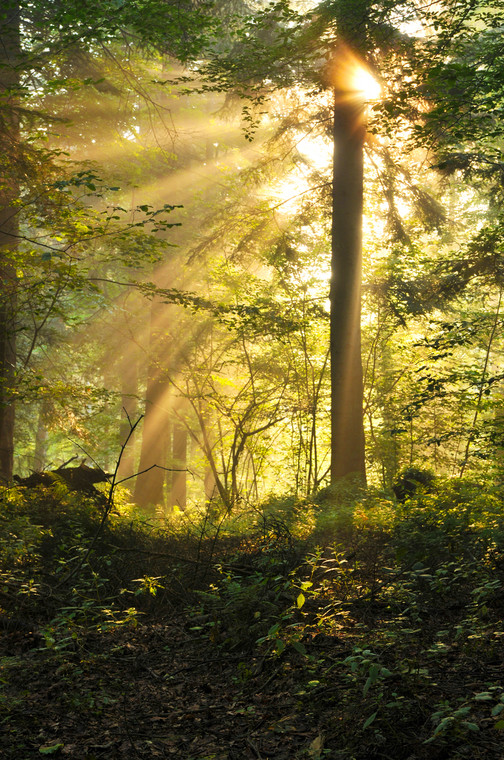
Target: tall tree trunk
[149,490]
[347,423]
[9,226]
[168,475]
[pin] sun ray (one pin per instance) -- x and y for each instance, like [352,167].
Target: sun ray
[351,77]
[364,83]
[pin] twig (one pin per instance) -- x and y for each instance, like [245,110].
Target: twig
[203,662]
[254,748]
[155,554]
[72,459]
[126,726]
[153,466]
[108,507]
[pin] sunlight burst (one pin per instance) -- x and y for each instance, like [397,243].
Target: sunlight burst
[351,77]
[365,84]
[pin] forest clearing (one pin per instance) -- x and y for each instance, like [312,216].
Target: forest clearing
[251,373]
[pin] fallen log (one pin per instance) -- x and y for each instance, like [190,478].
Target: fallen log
[81,478]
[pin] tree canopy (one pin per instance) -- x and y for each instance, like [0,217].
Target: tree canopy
[162,259]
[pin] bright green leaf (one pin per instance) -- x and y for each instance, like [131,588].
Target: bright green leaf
[51,750]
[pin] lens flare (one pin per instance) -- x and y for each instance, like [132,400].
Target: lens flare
[365,84]
[350,76]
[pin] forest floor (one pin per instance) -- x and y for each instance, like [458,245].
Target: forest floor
[282,655]
[158,691]
[163,690]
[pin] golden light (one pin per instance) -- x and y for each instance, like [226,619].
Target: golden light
[363,83]
[350,77]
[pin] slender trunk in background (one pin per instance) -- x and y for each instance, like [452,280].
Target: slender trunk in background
[40,452]
[9,226]
[481,390]
[129,414]
[168,476]
[179,462]
[149,490]
[347,423]
[210,485]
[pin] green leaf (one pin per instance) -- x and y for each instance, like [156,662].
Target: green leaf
[315,748]
[368,722]
[51,750]
[374,671]
[279,646]
[443,724]
[299,647]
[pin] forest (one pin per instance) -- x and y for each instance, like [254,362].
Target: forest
[252,379]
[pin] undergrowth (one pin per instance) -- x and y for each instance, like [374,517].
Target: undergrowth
[384,616]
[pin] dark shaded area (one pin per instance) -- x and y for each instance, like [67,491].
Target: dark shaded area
[197,643]
[81,478]
[410,480]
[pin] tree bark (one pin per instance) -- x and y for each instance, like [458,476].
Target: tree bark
[179,463]
[129,408]
[210,485]
[347,423]
[9,227]
[41,435]
[149,490]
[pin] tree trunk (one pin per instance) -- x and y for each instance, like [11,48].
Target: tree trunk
[40,451]
[347,424]
[179,463]
[149,490]
[210,485]
[129,408]
[9,227]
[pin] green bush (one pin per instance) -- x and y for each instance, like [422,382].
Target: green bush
[460,519]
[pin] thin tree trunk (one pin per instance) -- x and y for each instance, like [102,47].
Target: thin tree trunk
[179,463]
[9,227]
[149,490]
[210,486]
[472,430]
[40,452]
[168,476]
[129,408]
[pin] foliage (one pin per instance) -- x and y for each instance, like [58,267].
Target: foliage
[410,480]
[68,573]
[252,256]
[389,634]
